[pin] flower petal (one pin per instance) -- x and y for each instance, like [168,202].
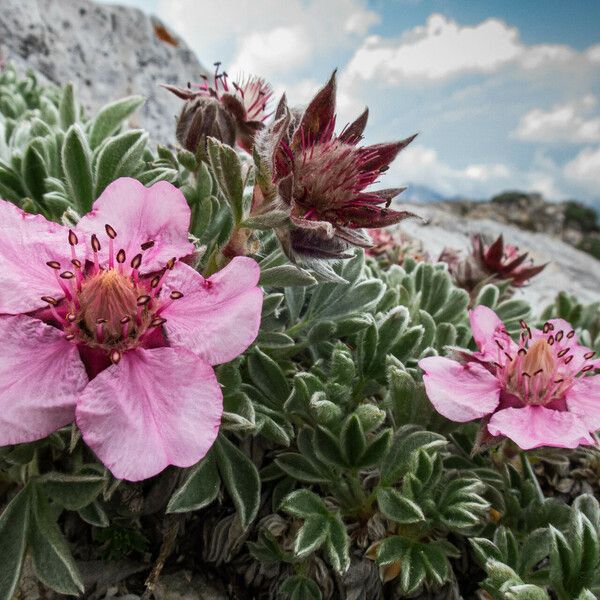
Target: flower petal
[460,392]
[41,375]
[583,399]
[489,331]
[27,242]
[138,214]
[217,318]
[535,426]
[154,408]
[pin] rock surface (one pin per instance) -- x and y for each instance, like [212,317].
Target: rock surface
[569,269]
[107,51]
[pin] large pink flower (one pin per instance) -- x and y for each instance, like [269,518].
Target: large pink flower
[538,392]
[101,324]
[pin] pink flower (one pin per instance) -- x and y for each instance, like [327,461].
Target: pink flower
[101,324]
[539,392]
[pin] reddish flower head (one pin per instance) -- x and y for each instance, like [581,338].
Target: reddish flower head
[541,391]
[231,112]
[102,324]
[494,262]
[322,178]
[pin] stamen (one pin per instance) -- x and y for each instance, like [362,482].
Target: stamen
[175,295]
[147,245]
[112,234]
[522,351]
[142,302]
[571,334]
[125,322]
[523,324]
[52,302]
[589,355]
[568,359]
[76,263]
[121,257]
[67,275]
[587,368]
[563,352]
[546,327]
[53,265]
[96,247]
[71,317]
[559,336]
[157,322]
[115,357]
[73,240]
[70,337]
[550,340]
[135,265]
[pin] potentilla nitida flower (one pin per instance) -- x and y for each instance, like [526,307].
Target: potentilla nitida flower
[540,391]
[227,110]
[104,324]
[323,179]
[491,262]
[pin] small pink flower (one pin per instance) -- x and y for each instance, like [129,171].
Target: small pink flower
[101,324]
[539,392]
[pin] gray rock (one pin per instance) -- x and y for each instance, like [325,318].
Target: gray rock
[185,586]
[570,270]
[107,52]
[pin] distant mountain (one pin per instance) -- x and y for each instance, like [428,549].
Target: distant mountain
[421,194]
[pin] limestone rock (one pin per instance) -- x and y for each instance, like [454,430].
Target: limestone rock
[570,270]
[107,51]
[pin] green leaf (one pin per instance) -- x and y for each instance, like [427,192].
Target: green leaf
[227,168]
[304,503]
[377,449]
[241,479]
[72,491]
[398,508]
[34,173]
[51,558]
[337,544]
[353,440]
[77,165]
[268,377]
[14,527]
[118,157]
[286,276]
[328,448]
[299,467]
[199,489]
[111,117]
[68,109]
[311,536]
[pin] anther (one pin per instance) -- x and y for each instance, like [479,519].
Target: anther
[76,263]
[499,345]
[67,275]
[523,324]
[157,322]
[115,357]
[125,320]
[571,334]
[50,300]
[563,352]
[147,245]
[143,300]
[53,264]
[568,359]
[71,317]
[559,336]
[70,337]
[121,256]
[550,340]
[508,356]
[155,281]
[522,351]
[96,247]
[73,240]
[110,232]
[587,368]
[175,295]
[171,263]
[546,327]
[136,262]
[538,372]
[588,355]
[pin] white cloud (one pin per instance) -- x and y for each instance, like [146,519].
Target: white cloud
[593,53]
[570,122]
[584,170]
[422,165]
[442,48]
[269,36]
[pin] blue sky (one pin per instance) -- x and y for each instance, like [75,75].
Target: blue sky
[504,94]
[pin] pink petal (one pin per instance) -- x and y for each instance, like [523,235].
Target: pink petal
[27,242]
[583,399]
[487,329]
[217,318]
[154,408]
[41,375]
[535,426]
[138,214]
[460,392]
